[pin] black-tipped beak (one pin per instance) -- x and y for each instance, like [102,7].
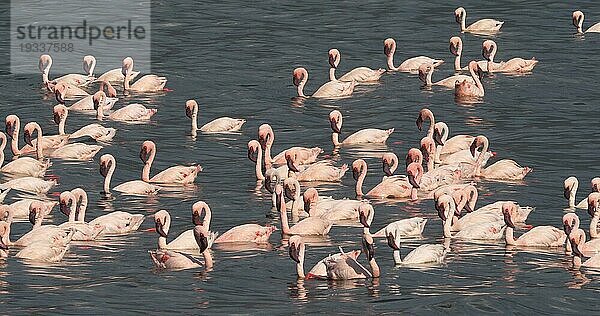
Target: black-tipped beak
[413,181]
[363,220]
[437,137]
[567,229]
[473,148]
[159,228]
[369,249]
[27,136]
[334,126]
[294,253]
[32,217]
[202,242]
[391,241]
[508,220]
[567,192]
[468,208]
[576,250]
[59,98]
[420,123]
[355,174]
[386,169]
[251,155]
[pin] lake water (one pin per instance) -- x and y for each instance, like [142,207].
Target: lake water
[236,60]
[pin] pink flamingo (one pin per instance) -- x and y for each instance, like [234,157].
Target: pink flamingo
[592,209]
[504,169]
[331,89]
[175,174]
[135,187]
[219,125]
[426,114]
[360,74]
[23,166]
[514,65]
[319,171]
[162,223]
[13,126]
[363,136]
[393,186]
[571,184]
[75,151]
[571,227]
[307,226]
[468,89]
[488,230]
[578,23]
[409,65]
[87,103]
[94,131]
[244,233]
[447,146]
[345,267]
[456,48]
[297,252]
[576,240]
[426,72]
[84,231]
[484,26]
[44,65]
[266,137]
[147,83]
[540,236]
[66,91]
[130,113]
[173,260]
[408,227]
[114,75]
[329,208]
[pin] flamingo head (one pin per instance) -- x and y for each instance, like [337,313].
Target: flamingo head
[28,131]
[59,112]
[191,108]
[391,240]
[127,66]
[253,150]
[201,235]
[474,66]
[99,98]
[311,195]
[414,155]
[569,184]
[197,209]
[89,63]
[475,144]
[291,157]
[455,46]
[577,237]
[290,185]
[368,246]
[335,120]
[508,211]
[296,248]
[266,137]
[299,75]
[390,163]
[11,122]
[593,201]
[162,221]
[443,205]
[414,171]
[271,178]
[35,211]
[437,135]
[66,199]
[60,91]
[4,233]
[364,212]
[577,18]
[488,49]
[45,63]
[358,167]
[427,147]
[110,90]
[389,47]
[148,147]
[458,14]
[334,57]
[569,221]
[596,184]
[424,70]
[106,162]
[425,113]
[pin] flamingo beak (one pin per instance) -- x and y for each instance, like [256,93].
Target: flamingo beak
[468,208]
[508,219]
[413,181]
[27,136]
[355,173]
[60,98]
[32,217]
[252,154]
[294,252]
[56,118]
[202,242]
[457,17]
[334,126]
[386,168]
[332,61]
[188,111]
[196,219]
[307,206]
[567,228]
[567,192]
[369,249]
[159,228]
[420,123]
[576,250]
[391,241]
[473,148]
[363,220]
[437,137]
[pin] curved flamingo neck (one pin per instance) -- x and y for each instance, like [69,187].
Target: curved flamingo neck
[301,87]
[208,260]
[285,227]
[332,74]
[481,154]
[258,165]
[335,139]
[207,218]
[14,142]
[463,21]
[72,210]
[148,165]
[300,265]
[594,226]
[61,124]
[476,79]
[361,179]
[457,62]
[82,202]
[38,221]
[268,158]
[126,80]
[390,61]
[428,78]
[509,236]
[374,268]
[38,145]
[162,241]
[99,112]
[295,203]
[195,118]
[572,195]
[109,175]
[448,225]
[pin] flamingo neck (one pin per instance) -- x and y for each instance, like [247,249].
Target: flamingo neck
[208,260]
[572,195]
[576,261]
[431,162]
[207,219]
[374,268]
[332,74]
[2,146]
[14,142]
[359,182]
[397,258]
[457,63]
[390,62]
[463,21]
[162,242]
[300,266]
[148,165]
[38,222]
[285,226]
[61,125]
[594,227]
[258,165]
[335,139]
[72,211]
[568,248]
[38,144]
[268,158]
[99,112]
[45,77]
[428,78]
[509,236]
[108,177]
[479,161]
[301,87]
[195,120]
[448,228]
[82,206]
[126,80]
[413,194]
